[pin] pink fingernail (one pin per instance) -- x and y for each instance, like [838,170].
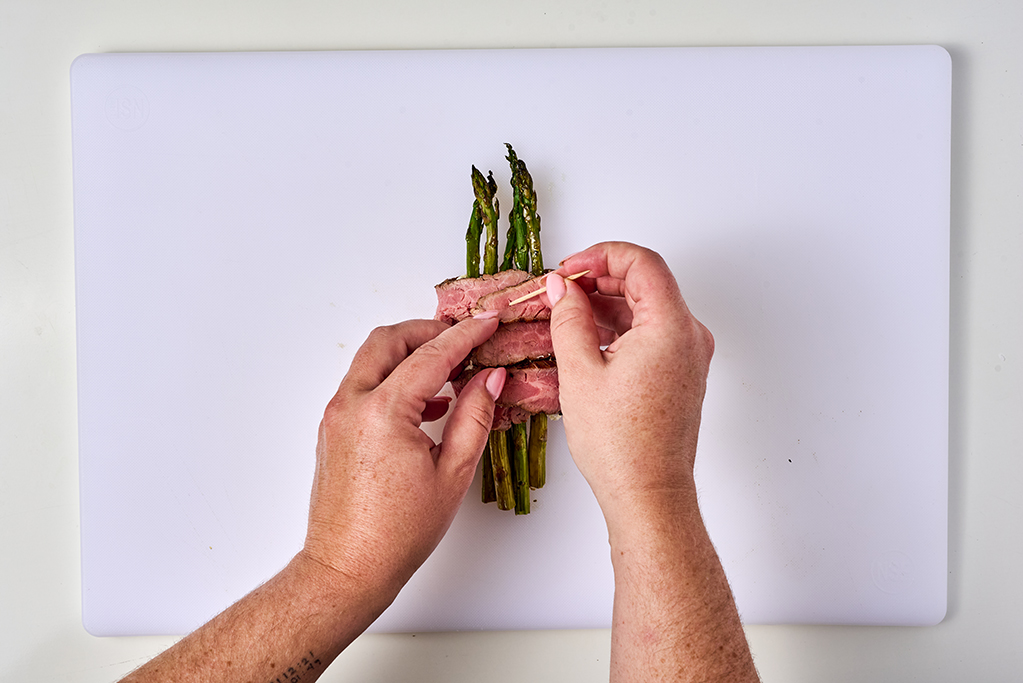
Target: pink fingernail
[555,288]
[495,382]
[486,315]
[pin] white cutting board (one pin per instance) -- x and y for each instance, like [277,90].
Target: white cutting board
[243,220]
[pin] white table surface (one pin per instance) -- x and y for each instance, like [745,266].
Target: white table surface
[40,616]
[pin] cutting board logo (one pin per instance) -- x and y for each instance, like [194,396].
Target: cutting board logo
[127,108]
[892,572]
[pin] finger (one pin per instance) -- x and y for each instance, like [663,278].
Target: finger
[573,330]
[586,284]
[385,348]
[426,370]
[466,431]
[436,408]
[636,273]
[606,336]
[611,312]
[456,371]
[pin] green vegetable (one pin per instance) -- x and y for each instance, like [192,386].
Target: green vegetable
[486,196]
[502,470]
[523,182]
[489,492]
[520,468]
[515,462]
[517,216]
[472,242]
[537,451]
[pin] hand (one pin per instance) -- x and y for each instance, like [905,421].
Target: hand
[632,411]
[632,415]
[384,494]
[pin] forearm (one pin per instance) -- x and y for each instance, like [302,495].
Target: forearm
[674,615]
[287,630]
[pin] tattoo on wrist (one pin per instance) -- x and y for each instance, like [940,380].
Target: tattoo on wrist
[296,673]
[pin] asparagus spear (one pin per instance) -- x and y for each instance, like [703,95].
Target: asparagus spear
[531,219]
[489,493]
[513,238]
[509,245]
[517,215]
[472,242]
[516,255]
[472,268]
[485,190]
[502,470]
[486,194]
[537,451]
[520,468]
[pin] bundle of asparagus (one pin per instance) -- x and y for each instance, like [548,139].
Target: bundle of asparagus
[514,460]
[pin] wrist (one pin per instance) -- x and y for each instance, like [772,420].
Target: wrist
[347,561]
[360,592]
[645,519]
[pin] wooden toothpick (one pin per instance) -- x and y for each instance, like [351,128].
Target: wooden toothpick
[544,289]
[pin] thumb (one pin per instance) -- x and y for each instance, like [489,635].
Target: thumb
[468,427]
[573,329]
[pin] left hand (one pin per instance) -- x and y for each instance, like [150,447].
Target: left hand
[384,494]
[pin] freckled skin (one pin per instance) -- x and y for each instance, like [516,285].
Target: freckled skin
[384,494]
[632,417]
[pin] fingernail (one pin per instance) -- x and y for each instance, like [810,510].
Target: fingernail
[486,315]
[568,257]
[555,288]
[495,382]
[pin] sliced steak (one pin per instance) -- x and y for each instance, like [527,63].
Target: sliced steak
[533,388]
[515,342]
[523,337]
[457,296]
[529,389]
[533,309]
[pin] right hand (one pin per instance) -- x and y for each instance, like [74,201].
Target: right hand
[631,411]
